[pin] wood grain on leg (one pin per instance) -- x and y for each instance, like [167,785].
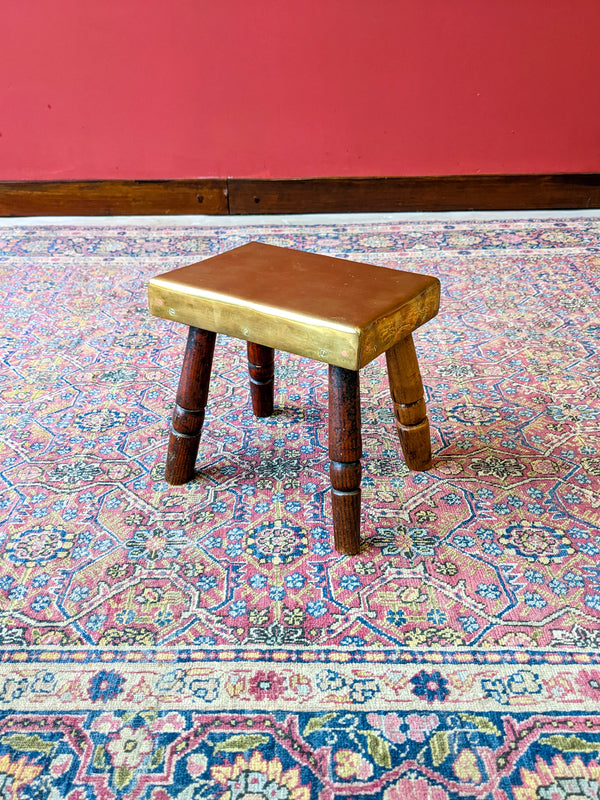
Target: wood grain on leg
[188,414]
[410,412]
[261,366]
[345,449]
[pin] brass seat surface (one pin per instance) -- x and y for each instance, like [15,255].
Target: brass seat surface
[336,311]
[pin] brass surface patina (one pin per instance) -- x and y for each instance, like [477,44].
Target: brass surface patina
[332,310]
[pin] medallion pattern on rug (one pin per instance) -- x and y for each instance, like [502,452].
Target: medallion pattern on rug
[206,641]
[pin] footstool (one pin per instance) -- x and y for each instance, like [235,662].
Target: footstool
[335,311]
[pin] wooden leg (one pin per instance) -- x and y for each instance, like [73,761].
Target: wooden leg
[345,450]
[188,414]
[261,367]
[406,389]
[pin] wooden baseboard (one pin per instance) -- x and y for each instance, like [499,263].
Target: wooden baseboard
[301,195]
[444,193]
[99,198]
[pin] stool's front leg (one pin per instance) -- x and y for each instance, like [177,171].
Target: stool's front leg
[345,450]
[406,389]
[261,366]
[188,415]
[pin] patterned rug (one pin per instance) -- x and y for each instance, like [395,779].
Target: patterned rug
[206,641]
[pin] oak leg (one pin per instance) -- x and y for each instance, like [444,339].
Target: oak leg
[261,367]
[406,389]
[190,402]
[345,450]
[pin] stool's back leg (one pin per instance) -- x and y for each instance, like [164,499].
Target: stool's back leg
[345,450]
[261,366]
[188,415]
[406,389]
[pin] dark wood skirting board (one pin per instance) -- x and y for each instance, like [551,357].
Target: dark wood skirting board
[443,193]
[300,195]
[72,198]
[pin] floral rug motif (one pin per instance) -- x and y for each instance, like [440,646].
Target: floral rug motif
[206,641]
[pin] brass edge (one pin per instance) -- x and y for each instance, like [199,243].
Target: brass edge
[272,311]
[304,336]
[374,341]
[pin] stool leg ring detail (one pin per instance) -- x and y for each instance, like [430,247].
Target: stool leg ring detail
[410,412]
[188,416]
[345,450]
[261,366]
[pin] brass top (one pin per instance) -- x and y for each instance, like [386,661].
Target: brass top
[336,311]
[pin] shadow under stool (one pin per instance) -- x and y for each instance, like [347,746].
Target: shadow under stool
[339,312]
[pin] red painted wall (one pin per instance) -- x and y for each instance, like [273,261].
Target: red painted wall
[265,88]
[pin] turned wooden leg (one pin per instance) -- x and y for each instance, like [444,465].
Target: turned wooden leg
[190,403]
[345,450]
[261,362]
[406,389]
